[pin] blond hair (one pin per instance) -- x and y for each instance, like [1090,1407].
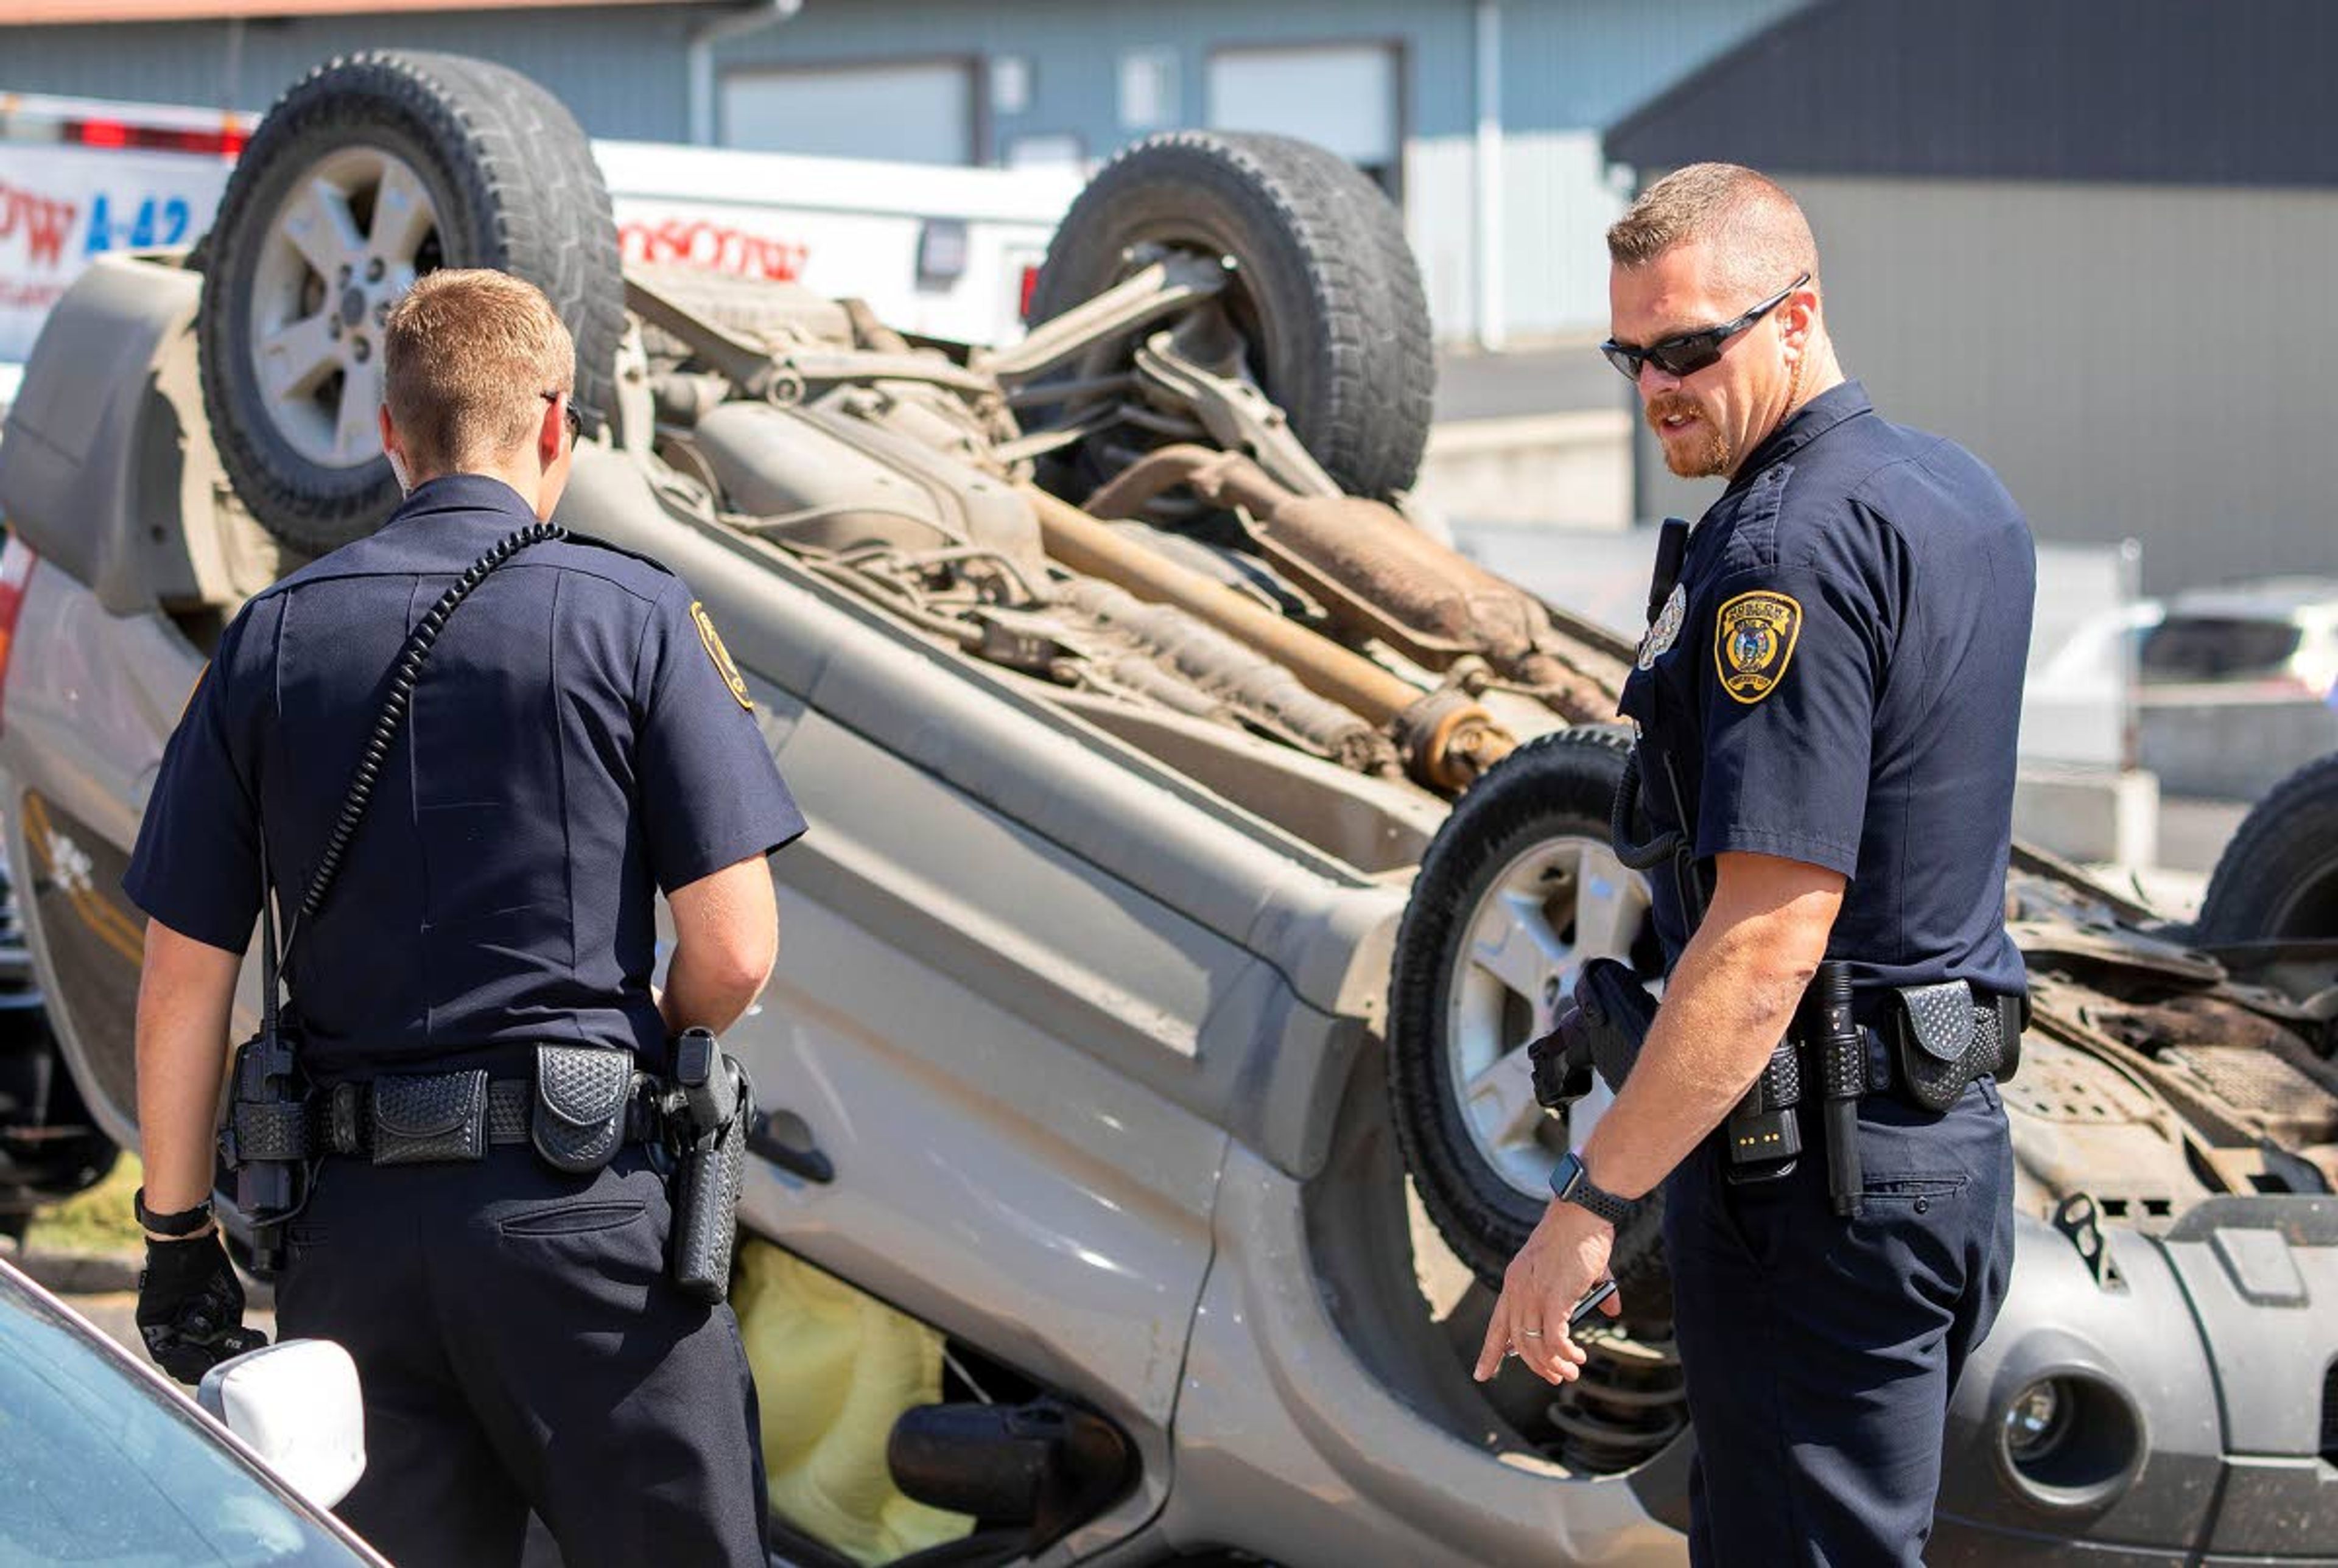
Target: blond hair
[1756,232]
[466,358]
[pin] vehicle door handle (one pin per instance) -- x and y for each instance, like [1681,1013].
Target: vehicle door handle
[785,1139]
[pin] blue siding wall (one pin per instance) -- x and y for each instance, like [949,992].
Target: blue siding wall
[621,71]
[1567,64]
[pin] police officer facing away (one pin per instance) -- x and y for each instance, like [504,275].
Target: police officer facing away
[577,740]
[1827,710]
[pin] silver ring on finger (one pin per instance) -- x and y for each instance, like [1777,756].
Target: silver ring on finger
[1531,1333]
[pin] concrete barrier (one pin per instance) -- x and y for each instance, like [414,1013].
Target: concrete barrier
[2231,746]
[2092,814]
[1570,470]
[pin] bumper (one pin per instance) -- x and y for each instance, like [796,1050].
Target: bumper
[2199,1389]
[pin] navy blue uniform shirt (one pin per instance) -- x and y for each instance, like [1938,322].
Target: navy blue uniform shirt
[576,738]
[1838,681]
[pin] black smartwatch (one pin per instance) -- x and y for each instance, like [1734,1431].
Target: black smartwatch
[177,1226]
[1571,1183]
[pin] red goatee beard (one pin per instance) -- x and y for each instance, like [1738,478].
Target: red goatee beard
[1699,453]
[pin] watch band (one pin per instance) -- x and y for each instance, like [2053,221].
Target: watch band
[1571,1183]
[178,1226]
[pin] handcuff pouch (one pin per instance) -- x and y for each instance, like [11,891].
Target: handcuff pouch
[1934,1041]
[424,1118]
[578,1120]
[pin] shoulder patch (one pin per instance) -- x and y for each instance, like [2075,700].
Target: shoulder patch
[721,655]
[1753,640]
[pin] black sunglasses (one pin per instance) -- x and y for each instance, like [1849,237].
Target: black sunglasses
[1690,352]
[569,414]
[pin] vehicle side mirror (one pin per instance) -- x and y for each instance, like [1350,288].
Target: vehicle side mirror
[297,1406]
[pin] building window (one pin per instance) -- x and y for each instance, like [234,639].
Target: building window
[1010,85]
[1046,150]
[908,112]
[1148,88]
[1343,96]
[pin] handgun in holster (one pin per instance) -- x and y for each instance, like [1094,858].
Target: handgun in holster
[716,1105]
[1602,1032]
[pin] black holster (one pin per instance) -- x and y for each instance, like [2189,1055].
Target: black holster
[1602,1032]
[716,1106]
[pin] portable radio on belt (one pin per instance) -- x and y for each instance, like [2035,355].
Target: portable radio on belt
[266,1140]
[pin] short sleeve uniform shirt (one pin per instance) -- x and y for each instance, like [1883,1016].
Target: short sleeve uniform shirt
[1837,680]
[578,738]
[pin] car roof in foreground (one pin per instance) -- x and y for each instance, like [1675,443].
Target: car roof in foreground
[101,1460]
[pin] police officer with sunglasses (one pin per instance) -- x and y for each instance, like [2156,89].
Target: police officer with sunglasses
[1825,704]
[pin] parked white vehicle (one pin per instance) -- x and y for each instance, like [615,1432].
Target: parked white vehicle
[935,252]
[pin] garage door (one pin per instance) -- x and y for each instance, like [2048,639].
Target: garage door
[1343,96]
[915,113]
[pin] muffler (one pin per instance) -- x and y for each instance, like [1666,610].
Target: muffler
[1375,572]
[1447,738]
[1045,1465]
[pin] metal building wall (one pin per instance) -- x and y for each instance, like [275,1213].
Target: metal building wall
[1569,67]
[2135,361]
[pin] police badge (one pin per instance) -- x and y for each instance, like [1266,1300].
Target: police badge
[1665,628]
[1754,639]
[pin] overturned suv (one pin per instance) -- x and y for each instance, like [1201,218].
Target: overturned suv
[1197,845]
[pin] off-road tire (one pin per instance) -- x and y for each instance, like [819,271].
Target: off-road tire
[1338,322]
[2279,875]
[1559,785]
[515,188]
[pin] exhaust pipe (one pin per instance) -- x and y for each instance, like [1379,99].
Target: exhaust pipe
[1377,572]
[1448,740]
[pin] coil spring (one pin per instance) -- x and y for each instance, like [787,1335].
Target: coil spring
[1629,1404]
[403,676]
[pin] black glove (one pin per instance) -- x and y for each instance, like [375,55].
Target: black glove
[190,1307]
[1561,1061]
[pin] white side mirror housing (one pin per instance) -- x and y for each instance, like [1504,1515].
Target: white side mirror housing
[296,1404]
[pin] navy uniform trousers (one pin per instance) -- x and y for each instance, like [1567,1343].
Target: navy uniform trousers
[1821,1348]
[521,1347]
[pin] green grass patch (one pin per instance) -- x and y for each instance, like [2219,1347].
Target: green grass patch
[96,1221]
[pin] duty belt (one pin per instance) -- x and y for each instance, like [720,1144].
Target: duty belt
[1888,1047]
[1932,1046]
[431,1116]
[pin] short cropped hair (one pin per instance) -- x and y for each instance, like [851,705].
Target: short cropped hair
[1756,231]
[466,356]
